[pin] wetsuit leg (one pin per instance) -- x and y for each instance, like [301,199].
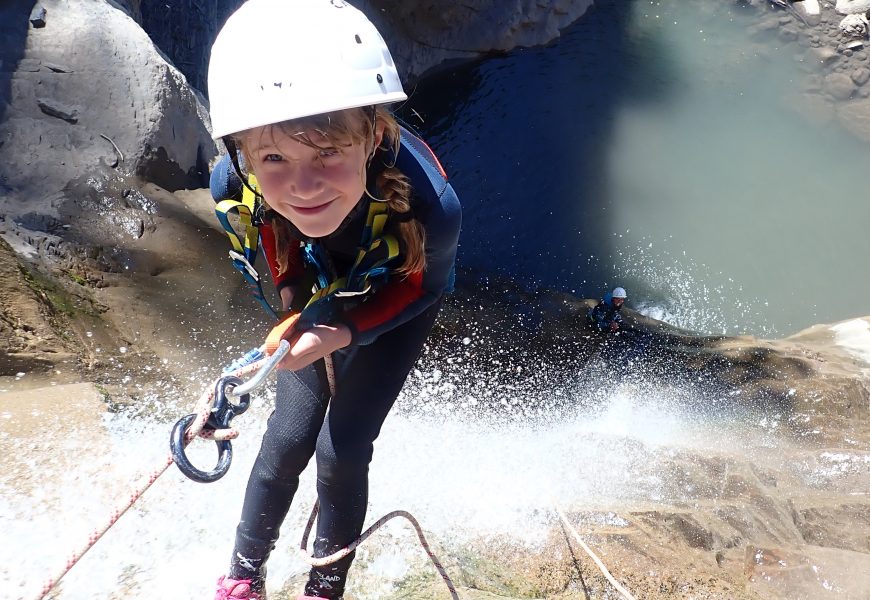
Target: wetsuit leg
[291,433]
[366,389]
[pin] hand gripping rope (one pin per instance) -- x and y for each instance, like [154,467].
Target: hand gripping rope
[214,412]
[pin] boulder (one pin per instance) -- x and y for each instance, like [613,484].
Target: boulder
[839,85]
[861,75]
[854,26]
[423,33]
[851,7]
[825,54]
[87,89]
[428,32]
[38,15]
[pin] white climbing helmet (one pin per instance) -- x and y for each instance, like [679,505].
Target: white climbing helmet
[276,60]
[619,293]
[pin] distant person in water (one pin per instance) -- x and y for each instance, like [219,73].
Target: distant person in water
[605,316]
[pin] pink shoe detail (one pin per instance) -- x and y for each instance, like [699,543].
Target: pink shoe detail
[236,589]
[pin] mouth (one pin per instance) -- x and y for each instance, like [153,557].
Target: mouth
[312,210]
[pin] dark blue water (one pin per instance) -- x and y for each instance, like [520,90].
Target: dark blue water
[653,146]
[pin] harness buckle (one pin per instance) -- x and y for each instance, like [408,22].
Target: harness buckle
[245,264]
[348,293]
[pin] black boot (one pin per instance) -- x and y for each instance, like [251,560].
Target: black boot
[328,581]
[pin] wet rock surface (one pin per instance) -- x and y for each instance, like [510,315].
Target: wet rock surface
[783,507]
[108,278]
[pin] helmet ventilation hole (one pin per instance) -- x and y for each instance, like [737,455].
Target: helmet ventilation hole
[358,41]
[380,79]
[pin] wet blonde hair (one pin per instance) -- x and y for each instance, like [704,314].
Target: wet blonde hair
[344,129]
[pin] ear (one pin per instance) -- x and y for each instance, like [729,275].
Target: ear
[378,137]
[380,127]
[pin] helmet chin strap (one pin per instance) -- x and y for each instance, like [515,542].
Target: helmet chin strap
[233,151]
[374,134]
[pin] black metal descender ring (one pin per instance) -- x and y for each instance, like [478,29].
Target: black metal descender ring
[222,413]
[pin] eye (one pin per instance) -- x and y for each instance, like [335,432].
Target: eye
[328,152]
[273,158]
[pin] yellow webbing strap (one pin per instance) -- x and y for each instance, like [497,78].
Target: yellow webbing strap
[373,239]
[245,211]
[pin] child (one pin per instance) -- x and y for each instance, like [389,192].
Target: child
[297,89]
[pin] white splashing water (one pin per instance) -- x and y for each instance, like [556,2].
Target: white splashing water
[677,290]
[463,476]
[854,336]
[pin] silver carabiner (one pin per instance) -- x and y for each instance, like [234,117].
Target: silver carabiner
[260,376]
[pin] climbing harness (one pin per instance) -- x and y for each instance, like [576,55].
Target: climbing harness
[244,252]
[375,251]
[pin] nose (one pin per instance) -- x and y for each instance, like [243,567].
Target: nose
[305,181]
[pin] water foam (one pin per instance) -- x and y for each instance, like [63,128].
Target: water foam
[465,476]
[854,337]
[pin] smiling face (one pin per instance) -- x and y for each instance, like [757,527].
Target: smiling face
[312,175]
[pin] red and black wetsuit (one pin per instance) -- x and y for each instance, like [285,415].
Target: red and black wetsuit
[389,328]
[434,204]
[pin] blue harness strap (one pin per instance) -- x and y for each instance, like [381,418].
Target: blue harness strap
[244,251]
[376,249]
[375,252]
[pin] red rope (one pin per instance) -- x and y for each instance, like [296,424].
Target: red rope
[146,481]
[203,411]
